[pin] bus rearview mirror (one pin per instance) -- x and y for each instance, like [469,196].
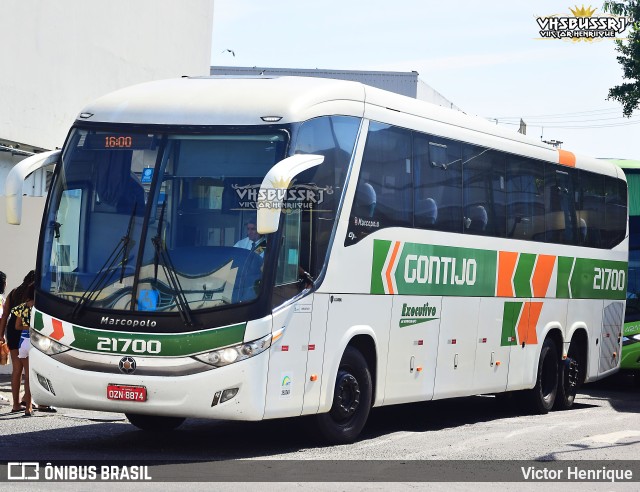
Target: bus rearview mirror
[277,180]
[15,180]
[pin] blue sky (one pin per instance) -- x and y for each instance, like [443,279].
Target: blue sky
[486,57]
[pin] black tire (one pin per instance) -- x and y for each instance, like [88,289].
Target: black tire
[541,398]
[351,401]
[154,423]
[570,376]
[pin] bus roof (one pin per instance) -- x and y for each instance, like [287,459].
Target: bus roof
[238,101]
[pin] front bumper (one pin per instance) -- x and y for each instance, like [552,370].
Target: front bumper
[189,395]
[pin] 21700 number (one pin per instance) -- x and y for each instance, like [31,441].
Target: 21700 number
[125,345]
[608,279]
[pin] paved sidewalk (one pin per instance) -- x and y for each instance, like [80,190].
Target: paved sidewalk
[5,389]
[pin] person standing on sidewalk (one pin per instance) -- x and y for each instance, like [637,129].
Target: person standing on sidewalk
[22,312]
[3,285]
[12,336]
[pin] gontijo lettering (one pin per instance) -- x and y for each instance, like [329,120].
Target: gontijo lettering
[439,270]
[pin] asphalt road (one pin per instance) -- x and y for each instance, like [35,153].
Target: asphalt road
[603,425]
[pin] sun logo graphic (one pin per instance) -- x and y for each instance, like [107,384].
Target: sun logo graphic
[582,11]
[285,386]
[280,183]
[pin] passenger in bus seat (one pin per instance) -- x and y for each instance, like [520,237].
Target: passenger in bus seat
[582,227]
[365,202]
[429,212]
[477,220]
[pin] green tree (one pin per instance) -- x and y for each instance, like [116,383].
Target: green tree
[627,93]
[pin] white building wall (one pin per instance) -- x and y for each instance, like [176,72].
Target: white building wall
[58,56]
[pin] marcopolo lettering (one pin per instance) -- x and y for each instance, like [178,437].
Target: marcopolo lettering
[366,223]
[441,270]
[133,323]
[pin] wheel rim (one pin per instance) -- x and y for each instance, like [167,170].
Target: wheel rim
[347,397]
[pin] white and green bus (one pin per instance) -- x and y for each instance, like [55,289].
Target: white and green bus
[404,252]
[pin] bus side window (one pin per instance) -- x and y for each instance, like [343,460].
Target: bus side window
[383,193]
[334,138]
[483,173]
[591,209]
[615,211]
[561,221]
[438,184]
[525,199]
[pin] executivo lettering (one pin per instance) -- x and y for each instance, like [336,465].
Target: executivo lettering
[413,315]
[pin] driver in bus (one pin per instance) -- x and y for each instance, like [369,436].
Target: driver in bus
[254,241]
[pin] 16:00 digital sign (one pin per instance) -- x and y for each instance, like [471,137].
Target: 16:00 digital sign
[118,141]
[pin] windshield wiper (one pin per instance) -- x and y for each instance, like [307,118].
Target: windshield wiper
[106,272]
[162,257]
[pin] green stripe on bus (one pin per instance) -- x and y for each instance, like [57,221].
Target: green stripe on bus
[170,345]
[509,320]
[426,269]
[522,277]
[565,265]
[380,252]
[38,322]
[585,278]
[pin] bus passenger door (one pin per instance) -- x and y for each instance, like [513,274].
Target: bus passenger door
[288,360]
[493,348]
[413,349]
[457,347]
[291,321]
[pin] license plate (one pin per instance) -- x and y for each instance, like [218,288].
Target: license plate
[126,393]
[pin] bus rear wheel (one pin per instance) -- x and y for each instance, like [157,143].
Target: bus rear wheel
[541,398]
[154,423]
[351,401]
[570,376]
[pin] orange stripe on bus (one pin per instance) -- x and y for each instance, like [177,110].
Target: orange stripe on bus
[390,267]
[58,331]
[528,322]
[506,266]
[542,275]
[566,158]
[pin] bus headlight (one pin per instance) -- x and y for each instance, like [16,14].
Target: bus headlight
[46,344]
[235,353]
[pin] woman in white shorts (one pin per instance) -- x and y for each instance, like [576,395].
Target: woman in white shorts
[22,312]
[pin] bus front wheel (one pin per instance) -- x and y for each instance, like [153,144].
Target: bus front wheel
[541,398]
[351,400]
[154,423]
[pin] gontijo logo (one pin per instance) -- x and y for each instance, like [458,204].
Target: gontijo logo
[423,269]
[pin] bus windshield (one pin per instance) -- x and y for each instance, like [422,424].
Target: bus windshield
[157,222]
